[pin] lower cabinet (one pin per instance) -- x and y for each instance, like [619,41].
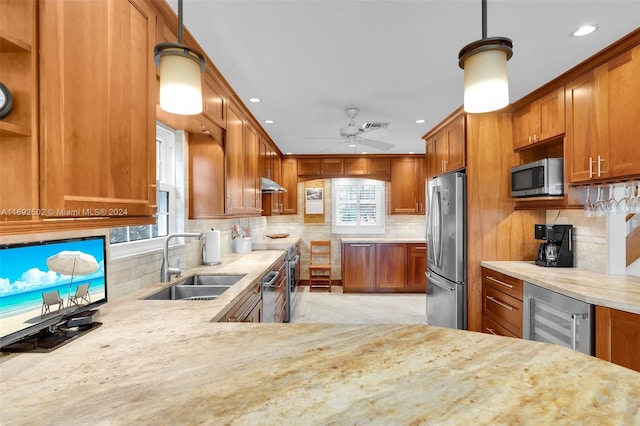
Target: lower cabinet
[384,267]
[618,337]
[501,304]
[248,309]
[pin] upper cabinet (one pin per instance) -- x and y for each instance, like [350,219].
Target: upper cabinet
[407,188]
[206,176]
[603,120]
[541,120]
[97,78]
[446,149]
[289,180]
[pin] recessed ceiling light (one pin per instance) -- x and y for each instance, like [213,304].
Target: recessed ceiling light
[419,121]
[584,30]
[411,152]
[289,153]
[364,152]
[255,100]
[351,145]
[268,121]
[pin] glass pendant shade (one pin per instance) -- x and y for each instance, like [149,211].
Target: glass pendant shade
[180,84]
[486,85]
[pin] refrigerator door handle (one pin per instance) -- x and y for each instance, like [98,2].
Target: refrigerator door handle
[433,280]
[435,226]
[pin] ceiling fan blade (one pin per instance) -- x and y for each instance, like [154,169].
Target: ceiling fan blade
[385,146]
[324,139]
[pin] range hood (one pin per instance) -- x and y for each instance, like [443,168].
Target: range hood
[268,186]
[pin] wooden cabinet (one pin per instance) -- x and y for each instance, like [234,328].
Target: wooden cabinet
[354,166]
[252,191]
[501,304]
[539,121]
[618,337]
[289,180]
[19,130]
[391,266]
[234,158]
[206,176]
[214,100]
[384,267]
[97,86]
[602,109]
[358,266]
[416,267]
[242,150]
[446,149]
[407,188]
[247,309]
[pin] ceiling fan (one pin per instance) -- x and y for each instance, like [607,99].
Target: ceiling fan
[354,135]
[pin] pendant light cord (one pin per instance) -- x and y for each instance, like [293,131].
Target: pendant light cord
[484,19]
[180,21]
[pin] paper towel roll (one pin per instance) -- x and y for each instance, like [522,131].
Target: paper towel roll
[211,248]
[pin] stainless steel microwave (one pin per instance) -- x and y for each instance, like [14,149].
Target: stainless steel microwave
[540,178]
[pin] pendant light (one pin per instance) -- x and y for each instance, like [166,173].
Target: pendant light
[486,87]
[181,71]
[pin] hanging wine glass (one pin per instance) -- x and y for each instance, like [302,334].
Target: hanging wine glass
[623,204]
[611,205]
[634,202]
[588,206]
[599,206]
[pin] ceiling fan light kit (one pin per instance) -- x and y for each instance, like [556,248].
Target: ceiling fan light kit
[486,85]
[181,69]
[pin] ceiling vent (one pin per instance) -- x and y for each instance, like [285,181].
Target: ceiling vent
[376,125]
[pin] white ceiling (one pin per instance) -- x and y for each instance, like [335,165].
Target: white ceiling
[395,60]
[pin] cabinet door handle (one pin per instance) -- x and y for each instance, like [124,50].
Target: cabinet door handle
[491,330]
[359,245]
[600,160]
[498,281]
[590,167]
[504,305]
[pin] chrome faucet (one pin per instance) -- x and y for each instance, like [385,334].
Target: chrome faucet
[165,270]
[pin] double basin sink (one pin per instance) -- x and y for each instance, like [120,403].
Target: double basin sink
[197,287]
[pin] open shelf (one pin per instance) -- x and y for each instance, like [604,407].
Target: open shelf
[544,203]
[8,129]
[9,43]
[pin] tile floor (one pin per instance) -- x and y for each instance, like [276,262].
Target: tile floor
[320,306]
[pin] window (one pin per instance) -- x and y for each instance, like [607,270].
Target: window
[131,239]
[358,206]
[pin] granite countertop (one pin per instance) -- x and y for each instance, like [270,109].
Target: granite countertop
[613,291]
[166,362]
[147,367]
[383,240]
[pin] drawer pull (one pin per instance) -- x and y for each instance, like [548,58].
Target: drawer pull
[359,245]
[498,281]
[504,305]
[491,330]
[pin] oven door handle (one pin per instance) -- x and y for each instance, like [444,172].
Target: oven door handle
[272,280]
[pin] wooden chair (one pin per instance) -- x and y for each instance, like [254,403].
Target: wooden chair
[51,298]
[320,264]
[82,294]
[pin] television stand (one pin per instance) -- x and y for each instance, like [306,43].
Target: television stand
[51,338]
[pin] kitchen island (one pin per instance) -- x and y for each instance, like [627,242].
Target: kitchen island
[166,362]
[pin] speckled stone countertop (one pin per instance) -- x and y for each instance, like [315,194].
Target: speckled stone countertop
[383,240]
[146,367]
[613,291]
[166,362]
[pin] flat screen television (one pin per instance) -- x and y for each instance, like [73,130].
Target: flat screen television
[46,284]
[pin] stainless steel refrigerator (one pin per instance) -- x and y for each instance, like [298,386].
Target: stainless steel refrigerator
[447,251]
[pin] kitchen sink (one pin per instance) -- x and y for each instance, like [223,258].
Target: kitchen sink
[197,287]
[208,279]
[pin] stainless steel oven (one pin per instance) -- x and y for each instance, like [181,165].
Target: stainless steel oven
[292,257]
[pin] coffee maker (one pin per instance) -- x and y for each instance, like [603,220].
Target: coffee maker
[557,248]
